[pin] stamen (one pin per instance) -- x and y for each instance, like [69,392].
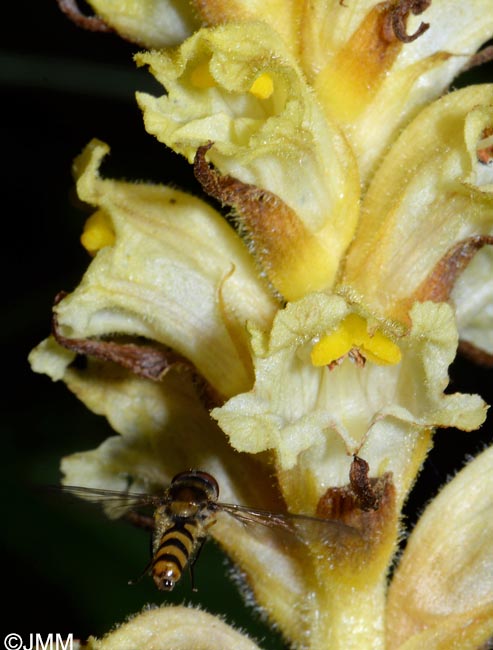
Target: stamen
[201,77]
[262,87]
[332,347]
[98,232]
[352,334]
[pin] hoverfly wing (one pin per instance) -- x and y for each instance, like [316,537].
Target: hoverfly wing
[304,528]
[115,503]
[254,516]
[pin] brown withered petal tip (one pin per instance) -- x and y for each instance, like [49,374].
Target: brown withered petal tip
[270,226]
[394,25]
[475,354]
[366,496]
[439,284]
[211,181]
[483,56]
[150,362]
[227,189]
[244,197]
[91,23]
[366,504]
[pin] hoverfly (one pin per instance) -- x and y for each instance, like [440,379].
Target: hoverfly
[187,509]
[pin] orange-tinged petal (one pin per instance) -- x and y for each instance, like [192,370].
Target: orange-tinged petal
[372,76]
[429,194]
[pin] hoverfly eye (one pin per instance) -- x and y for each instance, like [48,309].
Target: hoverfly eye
[199,479]
[209,482]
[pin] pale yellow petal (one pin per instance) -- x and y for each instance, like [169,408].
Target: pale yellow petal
[177,274]
[442,593]
[428,195]
[173,628]
[282,144]
[164,429]
[150,23]
[472,297]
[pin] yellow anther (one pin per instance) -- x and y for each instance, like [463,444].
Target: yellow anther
[201,76]
[331,347]
[98,232]
[351,334]
[262,87]
[356,327]
[381,350]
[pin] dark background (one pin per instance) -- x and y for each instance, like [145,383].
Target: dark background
[66,567]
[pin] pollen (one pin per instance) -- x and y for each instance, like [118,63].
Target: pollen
[201,76]
[353,334]
[262,87]
[98,232]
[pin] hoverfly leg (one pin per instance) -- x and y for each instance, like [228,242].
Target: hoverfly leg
[139,520]
[144,573]
[191,564]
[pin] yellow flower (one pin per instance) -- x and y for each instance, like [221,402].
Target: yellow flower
[281,143]
[321,328]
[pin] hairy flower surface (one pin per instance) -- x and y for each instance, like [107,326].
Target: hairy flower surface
[318,325]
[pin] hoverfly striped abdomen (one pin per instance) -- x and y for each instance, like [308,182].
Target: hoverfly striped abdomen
[181,525]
